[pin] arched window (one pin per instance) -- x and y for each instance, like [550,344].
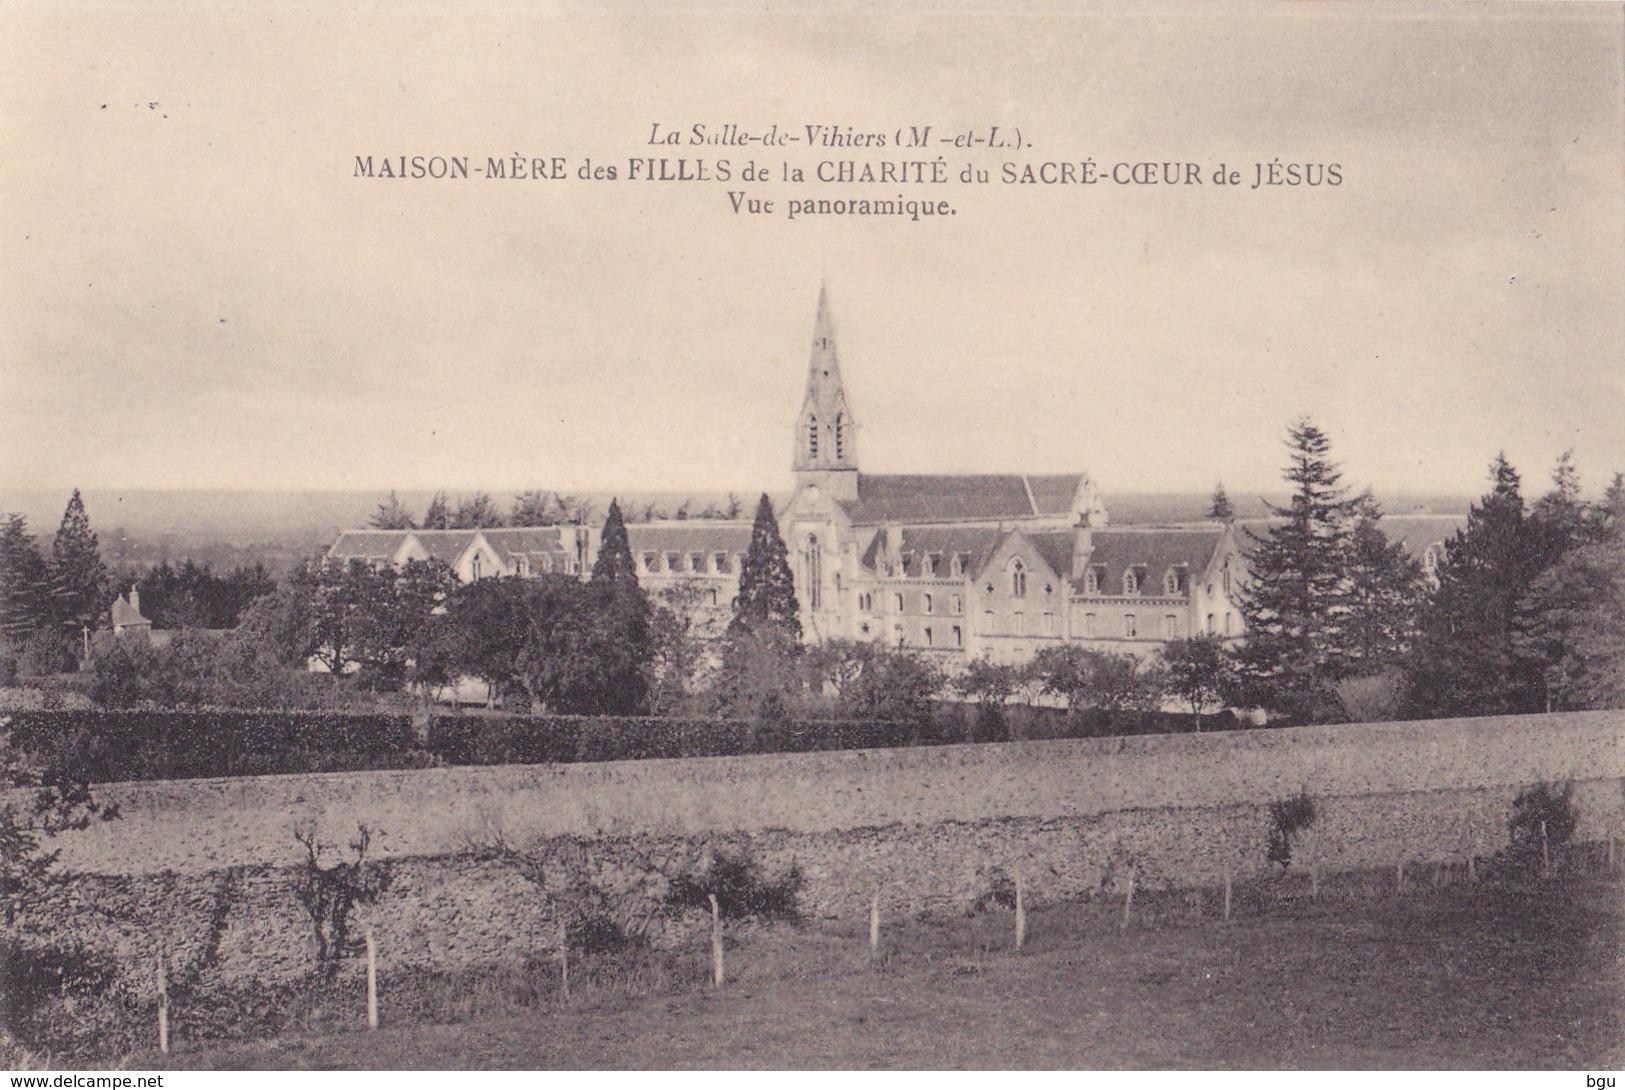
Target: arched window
[1091,581]
[475,566]
[1131,582]
[1018,579]
[1170,583]
[812,436]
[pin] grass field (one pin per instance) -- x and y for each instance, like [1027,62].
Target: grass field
[1523,977]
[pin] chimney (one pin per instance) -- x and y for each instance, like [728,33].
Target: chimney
[1083,548]
[135,598]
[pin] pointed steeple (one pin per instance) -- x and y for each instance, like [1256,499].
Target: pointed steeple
[826,435]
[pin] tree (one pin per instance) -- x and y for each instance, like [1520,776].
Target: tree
[437,516]
[24,582]
[392,515]
[680,659]
[1385,589]
[1572,618]
[1296,599]
[621,614]
[1220,507]
[1196,670]
[35,810]
[79,579]
[476,512]
[874,682]
[1467,659]
[535,509]
[767,593]
[991,685]
[1098,680]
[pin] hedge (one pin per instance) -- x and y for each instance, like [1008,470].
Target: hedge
[106,746]
[565,739]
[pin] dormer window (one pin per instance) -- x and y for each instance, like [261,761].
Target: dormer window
[1131,581]
[674,562]
[1093,578]
[696,562]
[1175,581]
[955,568]
[651,562]
[1018,579]
[722,567]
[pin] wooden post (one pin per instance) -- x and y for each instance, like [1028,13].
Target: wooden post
[1021,916]
[874,921]
[1545,853]
[1314,881]
[1438,875]
[1227,891]
[1399,877]
[716,943]
[1610,853]
[163,1004]
[372,980]
[1472,870]
[1128,903]
[564,961]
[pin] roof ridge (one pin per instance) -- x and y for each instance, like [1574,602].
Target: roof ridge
[1032,501]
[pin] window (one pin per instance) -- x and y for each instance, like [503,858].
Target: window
[956,605]
[696,562]
[1224,578]
[987,621]
[866,602]
[928,566]
[524,567]
[1093,578]
[897,603]
[1131,581]
[1211,627]
[1088,624]
[722,562]
[1130,629]
[956,567]
[840,437]
[1018,579]
[474,567]
[959,636]
[815,573]
[651,562]
[714,601]
[674,562]
[1170,583]
[1227,617]
[897,633]
[1049,625]
[929,601]
[812,436]
[1170,627]
[1021,623]
[928,635]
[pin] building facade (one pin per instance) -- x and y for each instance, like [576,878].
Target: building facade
[953,566]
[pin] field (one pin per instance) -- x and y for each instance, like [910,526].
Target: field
[1521,975]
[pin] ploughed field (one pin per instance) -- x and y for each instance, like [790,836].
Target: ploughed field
[1527,973]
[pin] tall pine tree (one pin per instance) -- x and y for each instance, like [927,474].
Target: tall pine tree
[438,514]
[24,583]
[392,515]
[1296,599]
[1467,661]
[79,579]
[623,639]
[1219,508]
[1385,588]
[767,593]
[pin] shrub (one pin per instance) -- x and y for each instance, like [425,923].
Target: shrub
[741,890]
[329,895]
[1287,817]
[1551,804]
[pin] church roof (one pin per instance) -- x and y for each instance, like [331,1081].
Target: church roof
[1155,550]
[971,544]
[966,497]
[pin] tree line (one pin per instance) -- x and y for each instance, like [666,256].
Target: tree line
[530,508]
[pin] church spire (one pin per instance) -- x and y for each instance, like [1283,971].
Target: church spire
[826,435]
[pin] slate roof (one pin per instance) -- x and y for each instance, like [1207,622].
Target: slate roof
[532,541]
[124,614]
[369,544]
[1156,550]
[445,545]
[689,535]
[970,543]
[959,497]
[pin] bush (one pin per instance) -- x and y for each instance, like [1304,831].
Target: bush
[1287,817]
[741,890]
[1548,804]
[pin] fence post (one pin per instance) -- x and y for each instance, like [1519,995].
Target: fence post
[1545,854]
[874,921]
[1128,903]
[716,943]
[1610,853]
[1399,877]
[1021,915]
[1314,880]
[163,1003]
[1472,869]
[372,980]
[564,962]
[1227,890]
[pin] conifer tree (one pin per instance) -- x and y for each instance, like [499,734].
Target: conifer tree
[1296,599]
[78,576]
[438,514]
[1385,589]
[1467,661]
[476,512]
[392,515]
[767,593]
[24,582]
[1220,508]
[622,638]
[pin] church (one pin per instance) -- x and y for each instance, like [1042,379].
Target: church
[950,565]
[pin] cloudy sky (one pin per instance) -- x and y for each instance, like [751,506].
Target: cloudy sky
[197,291]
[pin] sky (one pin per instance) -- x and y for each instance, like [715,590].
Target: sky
[197,292]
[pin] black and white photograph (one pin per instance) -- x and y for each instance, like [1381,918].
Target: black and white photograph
[811,537]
